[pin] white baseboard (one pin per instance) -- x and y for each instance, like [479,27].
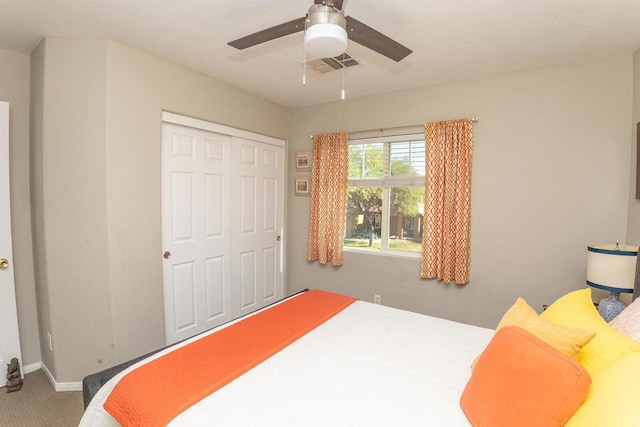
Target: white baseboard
[77,386]
[32,367]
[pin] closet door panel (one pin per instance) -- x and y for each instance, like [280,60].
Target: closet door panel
[259,195]
[247,280]
[195,230]
[184,296]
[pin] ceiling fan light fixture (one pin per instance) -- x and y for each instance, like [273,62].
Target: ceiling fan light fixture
[326,33]
[325,40]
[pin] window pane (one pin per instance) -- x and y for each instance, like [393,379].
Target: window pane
[366,160]
[405,219]
[407,158]
[364,214]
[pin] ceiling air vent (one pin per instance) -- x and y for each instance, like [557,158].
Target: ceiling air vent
[326,65]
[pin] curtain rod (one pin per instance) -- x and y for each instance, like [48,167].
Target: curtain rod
[473,119]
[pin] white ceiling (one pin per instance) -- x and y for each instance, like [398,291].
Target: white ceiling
[450,39]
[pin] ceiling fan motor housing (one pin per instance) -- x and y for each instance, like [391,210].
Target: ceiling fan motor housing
[326,35]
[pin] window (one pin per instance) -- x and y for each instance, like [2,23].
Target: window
[386,190]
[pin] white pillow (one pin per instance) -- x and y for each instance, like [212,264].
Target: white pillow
[628,322]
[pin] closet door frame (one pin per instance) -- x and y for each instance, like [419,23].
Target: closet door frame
[236,135]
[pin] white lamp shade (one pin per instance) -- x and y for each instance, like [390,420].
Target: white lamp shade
[611,268]
[325,40]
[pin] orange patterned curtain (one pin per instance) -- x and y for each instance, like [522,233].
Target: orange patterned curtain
[446,233]
[329,182]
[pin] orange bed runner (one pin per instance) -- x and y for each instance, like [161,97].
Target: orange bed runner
[154,394]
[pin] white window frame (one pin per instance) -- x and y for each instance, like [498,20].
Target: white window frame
[386,183]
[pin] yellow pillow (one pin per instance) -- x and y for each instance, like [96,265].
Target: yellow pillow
[566,339]
[576,310]
[613,396]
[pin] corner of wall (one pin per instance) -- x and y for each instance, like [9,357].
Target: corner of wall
[69,206]
[37,218]
[633,218]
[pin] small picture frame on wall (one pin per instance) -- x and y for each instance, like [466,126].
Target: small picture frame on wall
[303,187]
[303,161]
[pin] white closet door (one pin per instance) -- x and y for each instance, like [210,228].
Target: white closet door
[257,196]
[195,234]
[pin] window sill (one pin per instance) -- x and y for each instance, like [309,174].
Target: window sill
[390,254]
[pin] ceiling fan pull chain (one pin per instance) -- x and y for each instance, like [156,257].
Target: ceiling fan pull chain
[304,56]
[343,68]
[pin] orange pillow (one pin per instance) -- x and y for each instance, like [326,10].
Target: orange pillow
[522,381]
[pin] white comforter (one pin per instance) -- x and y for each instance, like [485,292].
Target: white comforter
[369,365]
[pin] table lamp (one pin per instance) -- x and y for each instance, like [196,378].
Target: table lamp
[611,268]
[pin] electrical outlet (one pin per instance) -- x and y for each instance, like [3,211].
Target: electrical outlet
[377,299]
[50,341]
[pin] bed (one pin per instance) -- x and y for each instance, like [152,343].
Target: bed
[367,365]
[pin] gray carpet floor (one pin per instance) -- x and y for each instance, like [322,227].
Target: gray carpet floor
[37,404]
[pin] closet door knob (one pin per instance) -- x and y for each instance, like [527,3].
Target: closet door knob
[166,255]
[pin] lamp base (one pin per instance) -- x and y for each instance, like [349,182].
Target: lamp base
[610,306]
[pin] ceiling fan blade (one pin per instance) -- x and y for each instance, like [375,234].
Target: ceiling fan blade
[375,40]
[333,3]
[269,34]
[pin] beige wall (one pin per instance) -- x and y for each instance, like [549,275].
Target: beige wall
[633,227]
[69,197]
[96,169]
[14,88]
[550,176]
[96,105]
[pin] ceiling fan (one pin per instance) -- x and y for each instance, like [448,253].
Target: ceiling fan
[326,32]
